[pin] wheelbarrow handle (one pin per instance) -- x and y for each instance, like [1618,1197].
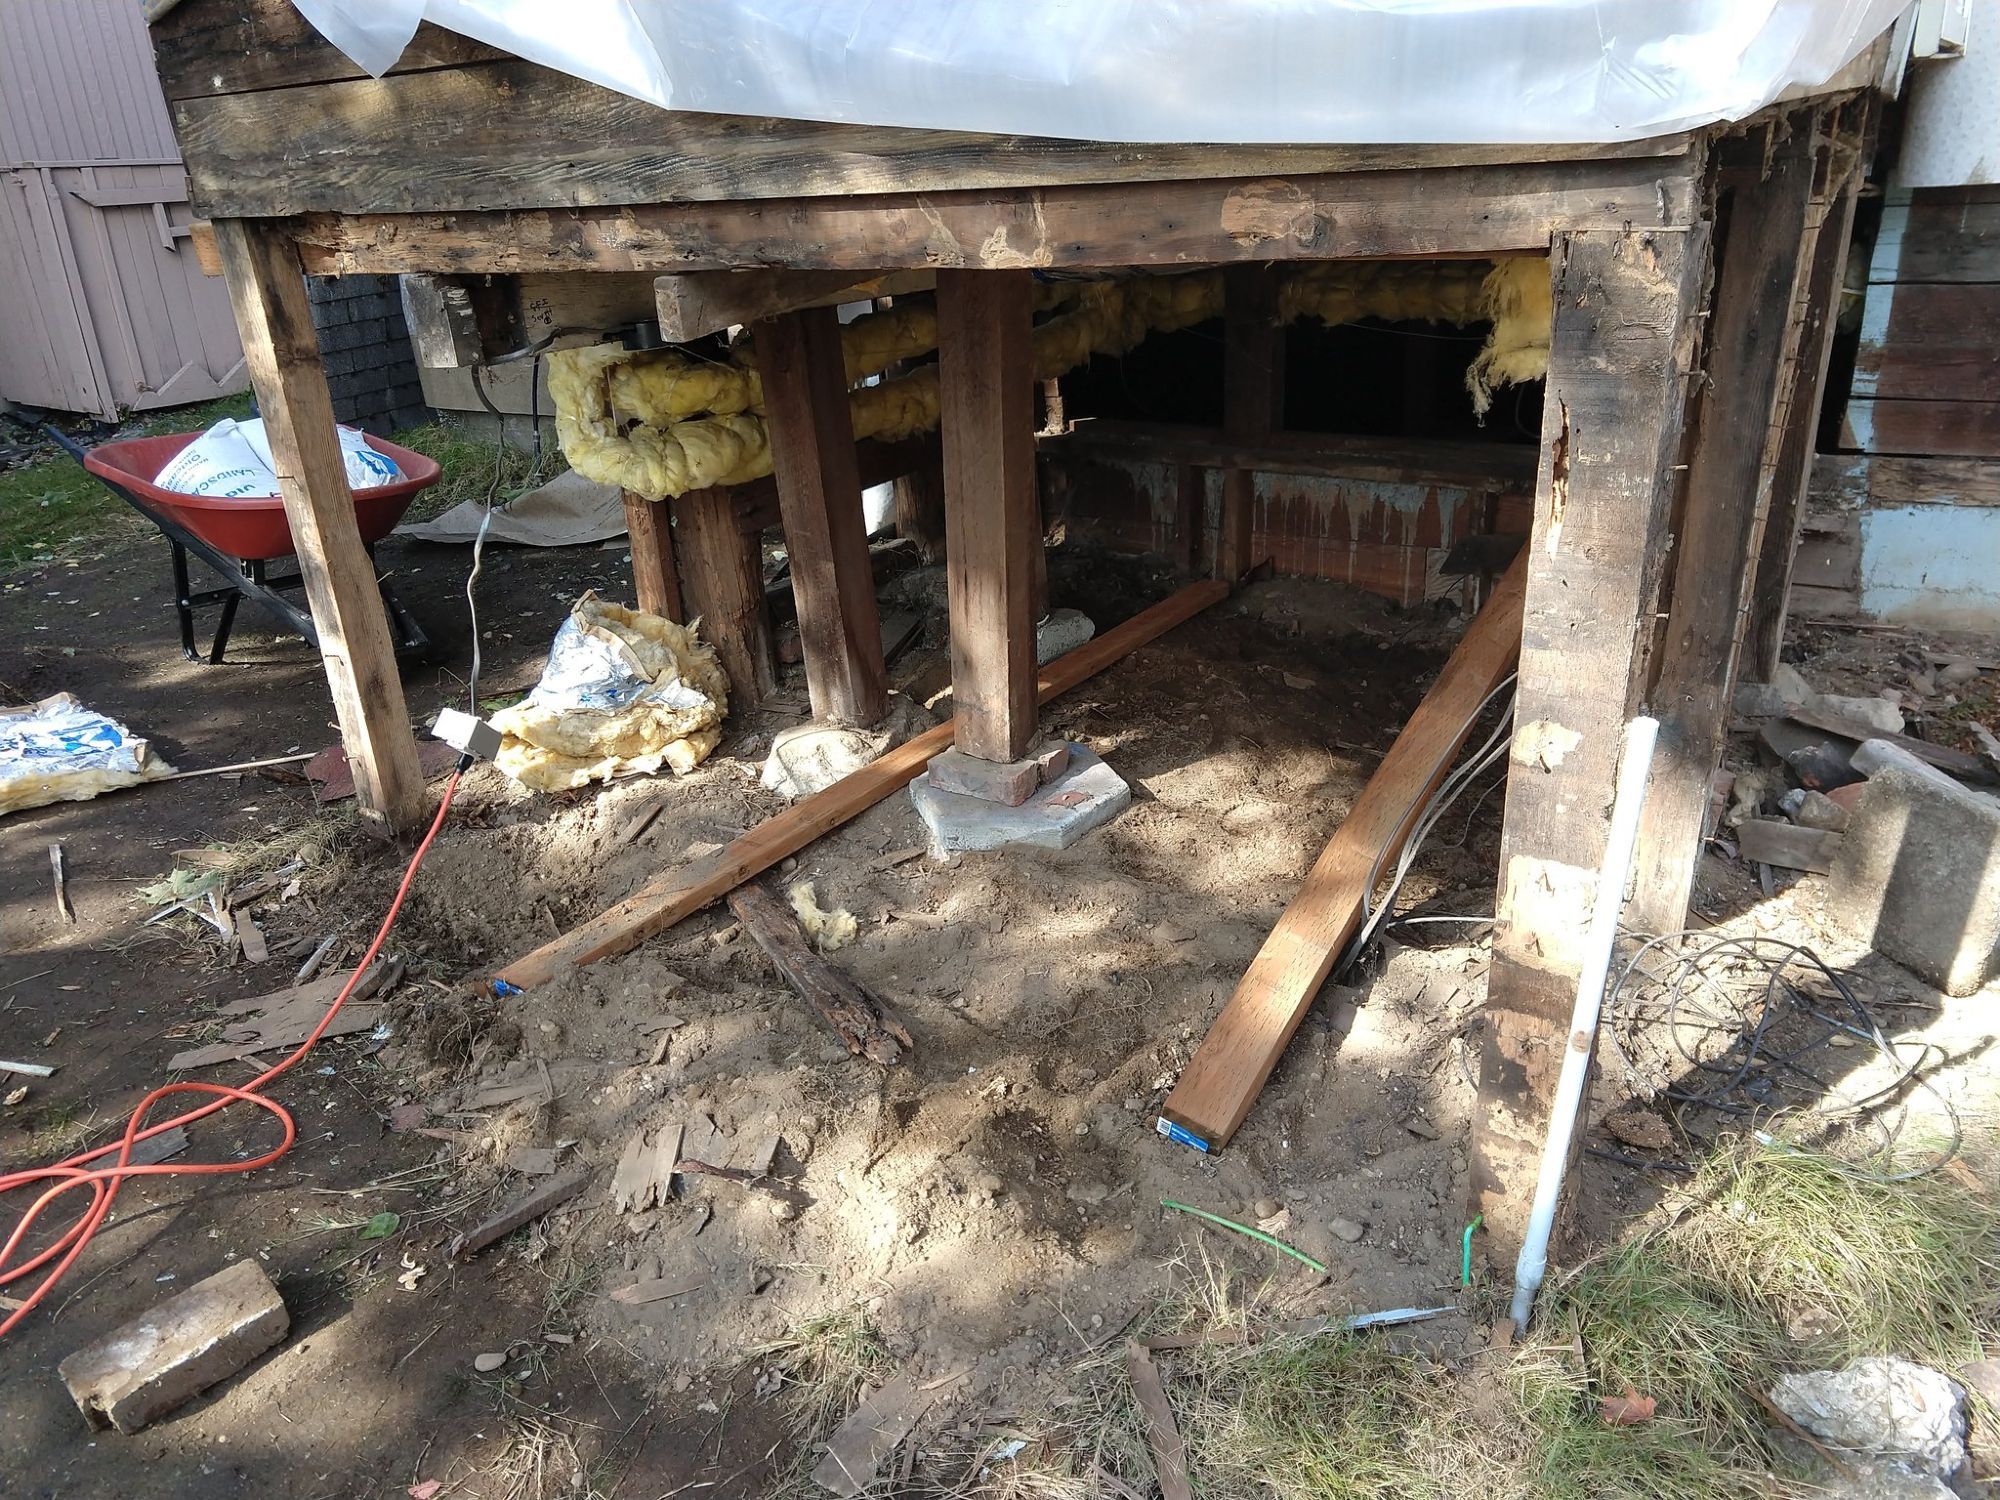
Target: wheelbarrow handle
[64,441]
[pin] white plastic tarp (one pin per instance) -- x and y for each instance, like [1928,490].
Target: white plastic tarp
[1382,71]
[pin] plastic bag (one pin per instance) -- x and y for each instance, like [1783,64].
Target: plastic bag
[59,751]
[233,459]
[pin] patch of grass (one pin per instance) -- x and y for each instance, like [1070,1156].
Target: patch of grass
[468,465]
[823,1363]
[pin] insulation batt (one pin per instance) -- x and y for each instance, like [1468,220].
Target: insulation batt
[662,423]
[663,693]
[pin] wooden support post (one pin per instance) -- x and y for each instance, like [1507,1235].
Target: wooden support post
[920,511]
[656,578]
[819,495]
[1764,637]
[1622,346]
[1253,372]
[281,350]
[722,584]
[1750,324]
[987,406]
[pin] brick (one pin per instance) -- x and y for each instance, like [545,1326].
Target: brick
[1008,782]
[178,1350]
[1912,877]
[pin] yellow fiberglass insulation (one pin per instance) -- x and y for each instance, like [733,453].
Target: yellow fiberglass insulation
[550,744]
[663,423]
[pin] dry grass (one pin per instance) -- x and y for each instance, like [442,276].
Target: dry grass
[822,1365]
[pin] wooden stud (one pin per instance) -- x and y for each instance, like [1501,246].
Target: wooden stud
[656,577]
[281,350]
[920,510]
[1253,372]
[1764,637]
[1750,325]
[1621,350]
[987,406]
[819,494]
[1236,1057]
[722,585]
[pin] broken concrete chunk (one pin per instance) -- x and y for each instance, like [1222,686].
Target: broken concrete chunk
[1911,881]
[1882,1405]
[1873,757]
[178,1350]
[1817,810]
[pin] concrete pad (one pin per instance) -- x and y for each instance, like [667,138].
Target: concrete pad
[1087,794]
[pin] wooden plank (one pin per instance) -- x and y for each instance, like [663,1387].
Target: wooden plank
[524,1210]
[1859,482]
[992,511]
[1621,351]
[1162,1436]
[854,1014]
[1929,342]
[819,495]
[1764,634]
[669,897]
[920,510]
[1751,329]
[201,236]
[1253,400]
[242,46]
[656,575]
[694,304]
[1939,234]
[1454,211]
[443,324]
[1230,1067]
[281,351]
[1771,841]
[1958,429]
[722,585]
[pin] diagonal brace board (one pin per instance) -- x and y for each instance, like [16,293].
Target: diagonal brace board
[679,893]
[1247,1039]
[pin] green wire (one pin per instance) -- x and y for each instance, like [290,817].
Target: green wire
[1255,1234]
[1465,1253]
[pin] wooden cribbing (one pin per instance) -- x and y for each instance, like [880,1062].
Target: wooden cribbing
[678,893]
[1244,1044]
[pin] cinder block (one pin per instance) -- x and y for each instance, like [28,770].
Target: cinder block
[1917,877]
[178,1350]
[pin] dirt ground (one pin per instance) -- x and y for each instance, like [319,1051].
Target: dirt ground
[993,1204]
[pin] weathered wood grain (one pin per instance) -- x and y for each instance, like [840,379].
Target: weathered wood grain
[656,578]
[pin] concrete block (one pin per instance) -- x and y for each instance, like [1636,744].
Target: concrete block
[1873,757]
[178,1350]
[1009,782]
[1917,877]
[1087,794]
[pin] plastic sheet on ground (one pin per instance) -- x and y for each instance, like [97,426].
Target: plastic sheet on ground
[568,511]
[59,751]
[624,693]
[1382,71]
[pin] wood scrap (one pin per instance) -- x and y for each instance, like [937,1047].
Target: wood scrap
[877,1426]
[317,957]
[285,1018]
[63,908]
[157,1148]
[524,1210]
[645,1174]
[858,1017]
[28,1069]
[1244,1045]
[1162,1436]
[250,937]
[1770,841]
[679,893]
[1959,763]
[261,887]
[659,1289]
[497,1095]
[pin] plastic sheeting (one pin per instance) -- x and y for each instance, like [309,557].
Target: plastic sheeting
[1382,71]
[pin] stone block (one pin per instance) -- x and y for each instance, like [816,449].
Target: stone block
[178,1350]
[1917,877]
[1087,794]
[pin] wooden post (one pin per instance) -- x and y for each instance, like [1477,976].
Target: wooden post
[656,578]
[819,495]
[1764,637]
[281,350]
[1622,345]
[987,407]
[1253,372]
[722,585]
[1750,325]
[920,511]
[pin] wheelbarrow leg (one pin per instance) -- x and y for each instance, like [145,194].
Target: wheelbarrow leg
[184,601]
[222,629]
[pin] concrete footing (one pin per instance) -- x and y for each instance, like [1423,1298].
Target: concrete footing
[1086,794]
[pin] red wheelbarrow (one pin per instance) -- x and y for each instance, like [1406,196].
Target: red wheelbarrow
[237,537]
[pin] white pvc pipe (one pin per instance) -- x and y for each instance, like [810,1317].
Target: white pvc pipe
[1634,766]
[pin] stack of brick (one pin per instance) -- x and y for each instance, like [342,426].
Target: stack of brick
[365,344]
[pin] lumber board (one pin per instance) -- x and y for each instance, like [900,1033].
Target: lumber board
[1864,481]
[1939,234]
[819,496]
[242,46]
[848,1008]
[281,352]
[656,576]
[1505,465]
[1923,428]
[694,304]
[1449,211]
[1235,1059]
[1755,325]
[1622,350]
[991,504]
[679,893]
[1929,342]
[1253,400]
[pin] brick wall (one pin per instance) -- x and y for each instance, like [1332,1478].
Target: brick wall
[365,346]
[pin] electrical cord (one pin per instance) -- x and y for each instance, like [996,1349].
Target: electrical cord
[102,1182]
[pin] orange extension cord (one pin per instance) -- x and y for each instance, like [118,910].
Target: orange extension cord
[103,1182]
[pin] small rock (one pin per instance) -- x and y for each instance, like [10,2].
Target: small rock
[1956,672]
[1885,1406]
[783,1210]
[1083,1129]
[1817,810]
[1265,1207]
[1349,1230]
[487,1363]
[1135,1103]
[1087,1192]
[987,1185]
